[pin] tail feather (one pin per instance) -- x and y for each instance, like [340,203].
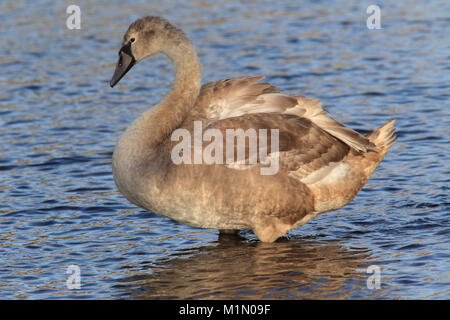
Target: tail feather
[312,109]
[384,137]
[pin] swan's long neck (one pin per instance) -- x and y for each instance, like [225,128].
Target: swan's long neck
[159,122]
[139,144]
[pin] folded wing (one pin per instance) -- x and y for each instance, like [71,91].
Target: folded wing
[234,98]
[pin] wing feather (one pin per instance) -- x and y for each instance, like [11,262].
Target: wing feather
[303,148]
[233,98]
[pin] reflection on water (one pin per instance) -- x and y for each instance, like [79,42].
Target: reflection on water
[233,269]
[59,122]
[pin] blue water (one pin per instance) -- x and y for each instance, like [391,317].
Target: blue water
[59,121]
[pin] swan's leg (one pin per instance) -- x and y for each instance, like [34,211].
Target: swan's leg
[229,235]
[228,232]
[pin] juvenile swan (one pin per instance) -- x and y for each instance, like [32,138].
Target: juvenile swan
[322,164]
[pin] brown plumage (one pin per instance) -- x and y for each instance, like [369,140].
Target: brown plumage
[321,164]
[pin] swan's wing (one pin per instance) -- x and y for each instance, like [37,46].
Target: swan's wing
[230,98]
[218,99]
[304,149]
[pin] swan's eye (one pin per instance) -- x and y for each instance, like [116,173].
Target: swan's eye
[132,39]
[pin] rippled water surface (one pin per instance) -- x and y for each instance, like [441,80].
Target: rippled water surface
[59,121]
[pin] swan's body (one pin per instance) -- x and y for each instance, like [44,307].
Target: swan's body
[322,164]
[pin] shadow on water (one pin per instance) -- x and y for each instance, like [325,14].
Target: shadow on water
[232,268]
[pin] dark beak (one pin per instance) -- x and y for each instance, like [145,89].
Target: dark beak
[125,63]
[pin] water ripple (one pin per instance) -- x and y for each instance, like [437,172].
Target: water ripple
[59,122]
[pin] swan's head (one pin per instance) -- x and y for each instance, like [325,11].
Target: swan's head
[144,37]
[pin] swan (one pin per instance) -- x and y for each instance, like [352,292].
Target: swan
[322,164]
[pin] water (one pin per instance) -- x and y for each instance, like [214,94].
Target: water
[59,121]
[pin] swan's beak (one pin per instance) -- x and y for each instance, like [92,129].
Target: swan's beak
[126,61]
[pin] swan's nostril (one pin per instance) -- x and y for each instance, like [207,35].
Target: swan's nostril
[120,61]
